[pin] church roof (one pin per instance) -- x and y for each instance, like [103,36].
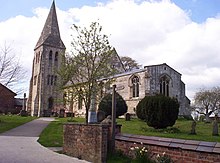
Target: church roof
[50,34]
[163,64]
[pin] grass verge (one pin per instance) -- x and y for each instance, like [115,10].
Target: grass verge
[8,122]
[52,135]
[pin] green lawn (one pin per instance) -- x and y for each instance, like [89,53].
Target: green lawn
[8,122]
[180,130]
[52,135]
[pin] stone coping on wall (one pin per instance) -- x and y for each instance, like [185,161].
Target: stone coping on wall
[91,124]
[193,145]
[85,124]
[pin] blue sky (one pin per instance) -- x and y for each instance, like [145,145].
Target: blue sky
[199,10]
[185,34]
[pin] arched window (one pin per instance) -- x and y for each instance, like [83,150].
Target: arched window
[50,55]
[56,57]
[51,79]
[164,85]
[135,86]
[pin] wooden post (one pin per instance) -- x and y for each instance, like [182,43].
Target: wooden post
[113,119]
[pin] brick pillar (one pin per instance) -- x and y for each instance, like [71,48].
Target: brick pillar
[86,141]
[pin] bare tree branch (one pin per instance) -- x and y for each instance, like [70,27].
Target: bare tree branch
[11,71]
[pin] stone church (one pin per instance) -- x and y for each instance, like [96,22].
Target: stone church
[44,97]
[43,93]
[151,80]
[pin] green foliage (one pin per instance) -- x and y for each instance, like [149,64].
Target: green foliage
[170,130]
[129,63]
[158,111]
[89,61]
[163,158]
[118,157]
[140,111]
[106,105]
[142,154]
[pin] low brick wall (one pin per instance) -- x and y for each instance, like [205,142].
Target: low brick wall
[181,151]
[86,141]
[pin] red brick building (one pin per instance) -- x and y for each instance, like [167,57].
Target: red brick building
[7,100]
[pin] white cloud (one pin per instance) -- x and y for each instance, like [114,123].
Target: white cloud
[152,32]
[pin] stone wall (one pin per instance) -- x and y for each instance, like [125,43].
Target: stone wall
[180,150]
[90,142]
[87,142]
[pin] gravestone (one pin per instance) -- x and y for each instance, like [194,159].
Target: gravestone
[127,117]
[215,126]
[61,114]
[100,116]
[55,114]
[193,128]
[23,113]
[70,114]
[107,120]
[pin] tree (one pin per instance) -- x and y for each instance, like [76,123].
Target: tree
[158,111]
[11,71]
[129,63]
[88,63]
[207,101]
[106,105]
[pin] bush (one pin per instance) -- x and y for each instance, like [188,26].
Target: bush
[106,105]
[140,111]
[158,111]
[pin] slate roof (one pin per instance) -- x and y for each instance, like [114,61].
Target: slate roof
[50,34]
[4,88]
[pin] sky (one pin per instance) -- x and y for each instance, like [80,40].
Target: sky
[185,34]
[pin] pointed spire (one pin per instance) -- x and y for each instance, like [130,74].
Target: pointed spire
[50,34]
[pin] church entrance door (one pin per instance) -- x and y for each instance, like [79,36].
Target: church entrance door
[48,111]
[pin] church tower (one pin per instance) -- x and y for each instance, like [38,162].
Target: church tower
[44,97]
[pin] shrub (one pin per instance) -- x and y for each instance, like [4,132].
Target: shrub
[140,111]
[141,154]
[163,158]
[106,105]
[158,111]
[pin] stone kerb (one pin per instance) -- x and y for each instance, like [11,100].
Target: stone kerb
[86,141]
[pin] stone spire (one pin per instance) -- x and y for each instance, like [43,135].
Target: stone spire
[50,34]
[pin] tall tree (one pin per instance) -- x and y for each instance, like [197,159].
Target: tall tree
[207,101]
[11,71]
[129,63]
[89,61]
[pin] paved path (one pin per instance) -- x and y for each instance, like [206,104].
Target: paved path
[20,145]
